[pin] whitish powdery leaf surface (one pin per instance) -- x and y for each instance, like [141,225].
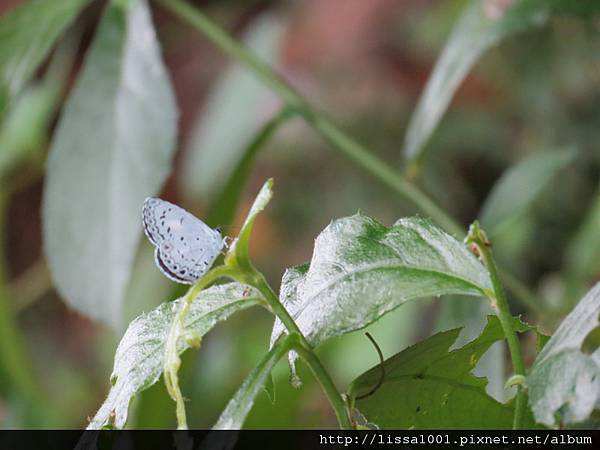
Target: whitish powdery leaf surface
[565,381]
[361,269]
[113,147]
[139,357]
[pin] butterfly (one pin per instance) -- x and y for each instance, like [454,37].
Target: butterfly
[185,246]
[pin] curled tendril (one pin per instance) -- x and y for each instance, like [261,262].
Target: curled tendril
[381,377]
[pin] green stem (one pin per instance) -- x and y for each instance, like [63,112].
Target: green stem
[335,399]
[380,170]
[252,277]
[305,351]
[477,236]
[30,286]
[224,205]
[339,139]
[188,13]
[172,362]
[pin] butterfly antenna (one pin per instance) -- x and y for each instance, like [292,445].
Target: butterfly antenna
[382,375]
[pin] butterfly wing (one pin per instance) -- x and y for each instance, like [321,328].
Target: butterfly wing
[185,246]
[158,216]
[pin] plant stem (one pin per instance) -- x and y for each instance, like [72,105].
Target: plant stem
[305,351]
[172,362]
[339,139]
[30,286]
[223,206]
[253,278]
[335,399]
[477,236]
[383,172]
[230,46]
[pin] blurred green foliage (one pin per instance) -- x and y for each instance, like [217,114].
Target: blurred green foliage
[533,91]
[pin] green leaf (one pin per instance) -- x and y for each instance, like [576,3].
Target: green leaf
[520,186]
[26,123]
[472,317]
[482,26]
[224,204]
[113,148]
[236,110]
[27,33]
[239,248]
[28,120]
[564,381]
[426,386]
[239,406]
[583,254]
[361,270]
[139,357]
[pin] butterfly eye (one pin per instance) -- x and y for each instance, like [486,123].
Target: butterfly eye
[218,229]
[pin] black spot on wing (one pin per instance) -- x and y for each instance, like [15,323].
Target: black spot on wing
[168,272]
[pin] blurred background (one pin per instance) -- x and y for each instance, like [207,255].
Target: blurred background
[365,64]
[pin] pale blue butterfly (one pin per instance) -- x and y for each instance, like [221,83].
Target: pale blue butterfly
[185,246]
